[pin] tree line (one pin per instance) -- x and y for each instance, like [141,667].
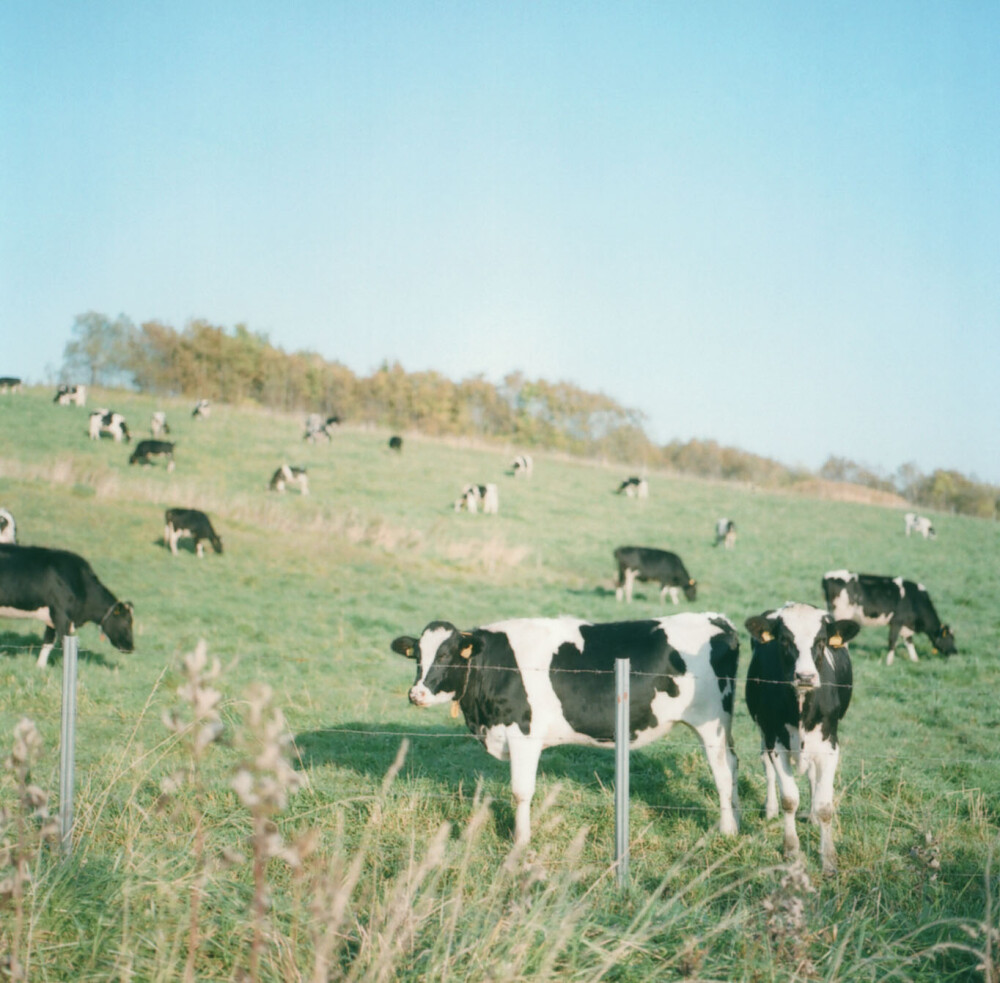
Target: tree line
[242,366]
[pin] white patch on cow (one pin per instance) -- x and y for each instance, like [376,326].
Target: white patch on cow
[39,614]
[429,644]
[898,581]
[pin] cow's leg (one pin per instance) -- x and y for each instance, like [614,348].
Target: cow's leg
[628,575]
[175,534]
[199,548]
[717,743]
[906,635]
[675,594]
[821,773]
[771,783]
[524,754]
[49,640]
[170,465]
[789,798]
[893,639]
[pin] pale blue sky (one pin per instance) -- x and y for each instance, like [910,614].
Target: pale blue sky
[772,224]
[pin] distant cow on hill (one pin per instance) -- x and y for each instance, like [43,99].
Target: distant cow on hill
[919,524]
[643,563]
[523,466]
[288,475]
[202,410]
[158,425]
[725,532]
[71,396]
[396,443]
[475,498]
[60,589]
[10,384]
[189,524]
[317,426]
[146,451]
[106,421]
[634,488]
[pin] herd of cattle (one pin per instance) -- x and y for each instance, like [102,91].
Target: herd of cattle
[530,683]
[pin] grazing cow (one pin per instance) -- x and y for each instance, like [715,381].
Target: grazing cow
[202,410]
[289,475]
[903,605]
[10,384]
[798,688]
[642,563]
[634,488]
[476,497]
[189,524]
[146,450]
[158,425]
[62,590]
[106,421]
[8,528]
[316,426]
[71,396]
[396,444]
[532,683]
[523,466]
[920,524]
[725,532]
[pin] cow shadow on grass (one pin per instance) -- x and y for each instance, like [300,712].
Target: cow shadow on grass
[672,778]
[14,645]
[598,591]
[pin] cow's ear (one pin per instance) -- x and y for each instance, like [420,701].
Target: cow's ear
[760,628]
[405,645]
[841,632]
[470,644]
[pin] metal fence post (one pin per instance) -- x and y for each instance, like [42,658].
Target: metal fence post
[622,667]
[67,743]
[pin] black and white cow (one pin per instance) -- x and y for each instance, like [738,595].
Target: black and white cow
[62,590]
[8,527]
[10,384]
[113,424]
[148,450]
[396,443]
[798,689]
[202,410]
[523,466]
[644,563]
[287,475]
[903,605]
[532,683]
[634,488]
[189,524]
[475,498]
[725,532]
[71,396]
[316,426]
[919,524]
[158,425]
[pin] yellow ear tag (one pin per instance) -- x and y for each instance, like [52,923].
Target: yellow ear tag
[466,652]
[454,708]
[836,641]
[934,651]
[766,636]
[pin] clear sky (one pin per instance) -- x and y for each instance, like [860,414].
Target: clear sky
[772,224]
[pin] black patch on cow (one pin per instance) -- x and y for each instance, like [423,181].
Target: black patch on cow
[584,681]
[493,691]
[724,655]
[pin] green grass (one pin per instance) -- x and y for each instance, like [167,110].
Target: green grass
[307,597]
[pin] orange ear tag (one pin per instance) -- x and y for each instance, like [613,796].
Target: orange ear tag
[836,641]
[766,636]
[466,653]
[454,709]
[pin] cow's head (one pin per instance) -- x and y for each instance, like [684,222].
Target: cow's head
[442,653]
[117,625]
[802,636]
[216,542]
[691,589]
[944,641]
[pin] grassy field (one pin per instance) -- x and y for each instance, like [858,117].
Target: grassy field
[413,878]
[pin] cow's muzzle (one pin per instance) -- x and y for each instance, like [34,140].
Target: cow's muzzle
[806,681]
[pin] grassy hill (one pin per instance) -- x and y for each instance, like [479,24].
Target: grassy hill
[307,597]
